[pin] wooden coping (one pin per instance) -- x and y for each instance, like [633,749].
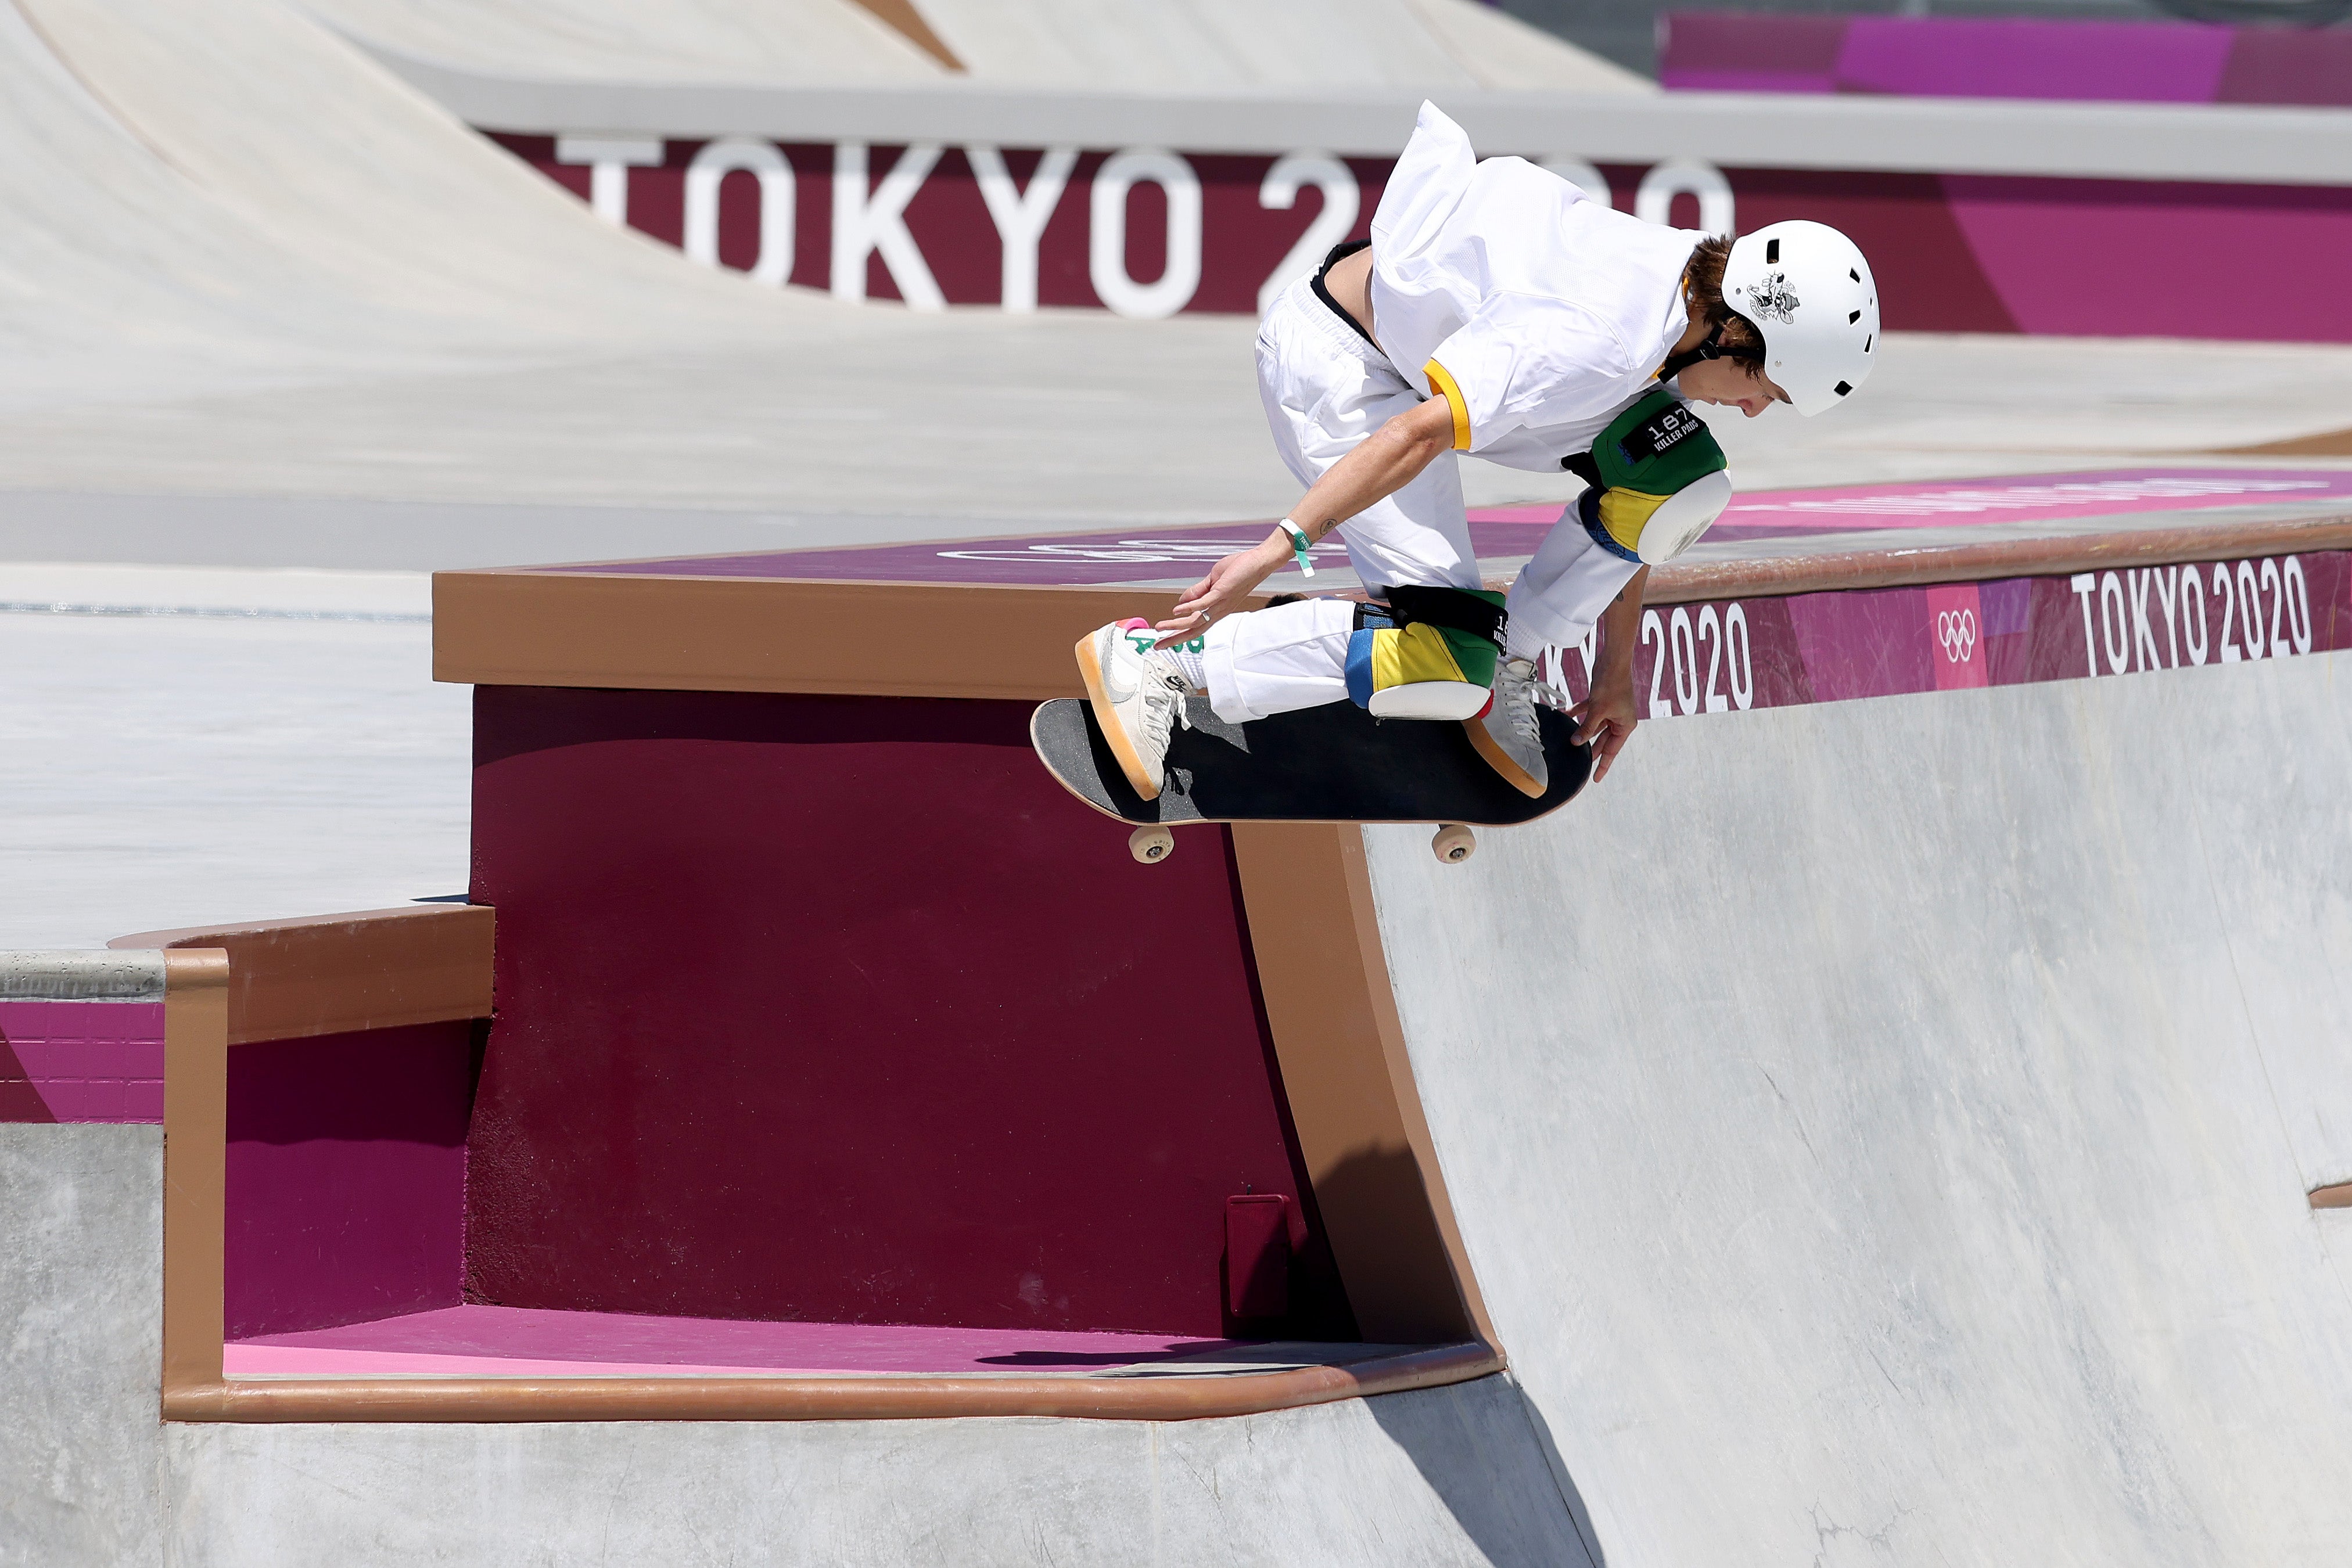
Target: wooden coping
[665,632]
[196,1145]
[1979,561]
[901,18]
[1361,1131]
[339,974]
[1147,1397]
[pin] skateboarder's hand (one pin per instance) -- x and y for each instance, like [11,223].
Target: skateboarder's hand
[1606,718]
[1230,582]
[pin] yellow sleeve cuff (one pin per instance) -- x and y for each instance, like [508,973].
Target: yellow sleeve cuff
[1444,383]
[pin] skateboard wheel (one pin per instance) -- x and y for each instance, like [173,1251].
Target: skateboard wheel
[1151,845]
[1454,843]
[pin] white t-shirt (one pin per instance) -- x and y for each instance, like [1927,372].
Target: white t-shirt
[1534,310]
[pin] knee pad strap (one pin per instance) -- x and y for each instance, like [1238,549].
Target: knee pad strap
[1429,652]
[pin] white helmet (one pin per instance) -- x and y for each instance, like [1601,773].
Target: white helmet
[1808,289]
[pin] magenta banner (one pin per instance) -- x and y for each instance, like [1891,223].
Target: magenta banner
[1732,655]
[2005,56]
[1150,232]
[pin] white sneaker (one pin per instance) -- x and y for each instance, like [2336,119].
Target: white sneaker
[1507,734]
[1139,698]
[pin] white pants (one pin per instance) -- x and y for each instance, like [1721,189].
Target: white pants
[1326,388]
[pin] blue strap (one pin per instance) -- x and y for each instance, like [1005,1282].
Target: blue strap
[1360,668]
[1587,512]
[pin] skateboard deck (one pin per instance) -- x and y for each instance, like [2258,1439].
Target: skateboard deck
[1331,764]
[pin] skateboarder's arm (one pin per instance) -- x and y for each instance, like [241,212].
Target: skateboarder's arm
[1607,717]
[1376,468]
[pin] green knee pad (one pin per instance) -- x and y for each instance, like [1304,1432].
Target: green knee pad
[1658,480]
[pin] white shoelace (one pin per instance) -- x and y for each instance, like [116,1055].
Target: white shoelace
[1164,691]
[1518,695]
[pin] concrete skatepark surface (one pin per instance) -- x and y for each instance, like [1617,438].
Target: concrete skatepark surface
[1939,1198]
[248,766]
[1949,1073]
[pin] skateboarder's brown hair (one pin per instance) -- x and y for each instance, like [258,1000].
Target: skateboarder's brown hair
[1703,289]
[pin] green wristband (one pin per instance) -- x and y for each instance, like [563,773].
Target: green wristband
[1298,546]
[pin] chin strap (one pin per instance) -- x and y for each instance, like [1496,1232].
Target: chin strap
[1713,347]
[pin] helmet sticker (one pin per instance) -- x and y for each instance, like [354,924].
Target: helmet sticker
[1806,294]
[1773,297]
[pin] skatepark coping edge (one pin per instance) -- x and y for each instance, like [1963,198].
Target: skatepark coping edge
[576,626]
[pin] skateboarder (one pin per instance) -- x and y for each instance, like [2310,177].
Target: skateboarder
[1496,310]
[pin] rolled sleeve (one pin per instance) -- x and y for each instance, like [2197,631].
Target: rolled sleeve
[1442,384]
[1524,361]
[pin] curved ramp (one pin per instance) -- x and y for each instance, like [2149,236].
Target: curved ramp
[830,43]
[1882,1130]
[1085,45]
[209,201]
[244,259]
[1215,45]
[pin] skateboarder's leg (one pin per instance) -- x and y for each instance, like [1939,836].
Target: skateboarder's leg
[1559,595]
[1274,661]
[1553,602]
[1647,507]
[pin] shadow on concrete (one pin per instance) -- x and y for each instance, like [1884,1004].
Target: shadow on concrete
[1484,1447]
[1487,1451]
[1570,1498]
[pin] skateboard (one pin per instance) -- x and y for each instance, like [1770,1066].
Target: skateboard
[1331,764]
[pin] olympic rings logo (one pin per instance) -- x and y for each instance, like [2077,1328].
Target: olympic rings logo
[1956,630]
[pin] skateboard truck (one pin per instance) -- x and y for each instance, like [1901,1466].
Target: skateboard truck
[1454,844]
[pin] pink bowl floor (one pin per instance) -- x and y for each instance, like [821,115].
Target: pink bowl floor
[523,1341]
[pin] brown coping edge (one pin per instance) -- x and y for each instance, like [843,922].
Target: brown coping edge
[1361,1129]
[337,974]
[901,18]
[195,1150]
[755,635]
[2336,1196]
[334,973]
[643,632]
[1174,1398]
[1976,562]
[2324,444]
